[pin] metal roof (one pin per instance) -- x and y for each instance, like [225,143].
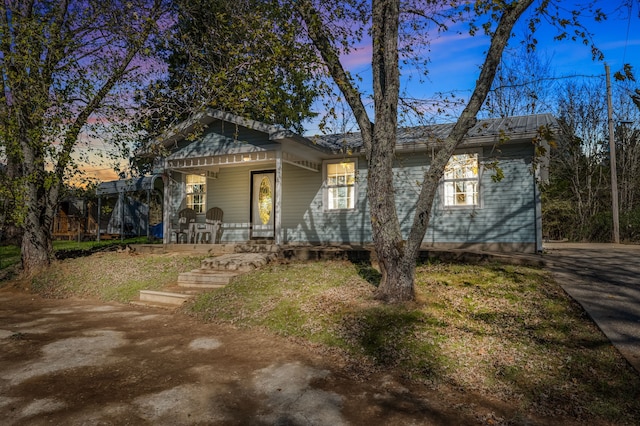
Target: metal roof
[113,187]
[226,139]
[484,131]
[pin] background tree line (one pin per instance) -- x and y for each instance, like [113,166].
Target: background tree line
[577,199]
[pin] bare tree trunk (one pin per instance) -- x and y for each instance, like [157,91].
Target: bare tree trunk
[37,249]
[397,256]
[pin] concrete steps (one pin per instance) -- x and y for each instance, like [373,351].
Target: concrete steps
[214,272]
[153,297]
[205,278]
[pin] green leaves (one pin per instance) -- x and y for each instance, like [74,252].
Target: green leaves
[67,70]
[626,74]
[245,57]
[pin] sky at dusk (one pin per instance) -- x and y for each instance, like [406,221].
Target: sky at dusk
[455,59]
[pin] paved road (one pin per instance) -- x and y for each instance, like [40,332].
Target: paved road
[605,280]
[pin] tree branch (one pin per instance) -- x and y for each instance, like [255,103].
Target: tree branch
[322,42]
[465,122]
[72,133]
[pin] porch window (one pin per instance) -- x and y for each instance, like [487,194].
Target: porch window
[461,181]
[196,190]
[341,185]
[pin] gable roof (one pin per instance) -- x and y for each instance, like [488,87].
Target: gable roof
[204,118]
[484,132]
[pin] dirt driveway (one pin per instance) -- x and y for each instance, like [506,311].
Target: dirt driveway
[80,362]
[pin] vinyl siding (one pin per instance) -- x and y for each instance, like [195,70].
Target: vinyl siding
[506,213]
[304,216]
[231,192]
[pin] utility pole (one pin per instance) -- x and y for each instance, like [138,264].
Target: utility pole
[612,152]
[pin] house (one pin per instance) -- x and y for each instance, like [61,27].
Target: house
[272,184]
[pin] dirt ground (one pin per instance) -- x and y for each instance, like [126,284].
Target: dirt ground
[80,362]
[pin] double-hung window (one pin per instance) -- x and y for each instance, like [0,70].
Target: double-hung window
[196,190]
[341,185]
[462,181]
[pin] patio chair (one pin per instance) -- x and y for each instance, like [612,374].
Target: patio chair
[213,226]
[185,218]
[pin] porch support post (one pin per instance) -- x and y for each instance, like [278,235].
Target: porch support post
[166,212]
[149,211]
[122,198]
[99,218]
[278,211]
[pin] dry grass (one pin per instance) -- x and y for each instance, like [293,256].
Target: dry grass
[112,275]
[508,332]
[505,331]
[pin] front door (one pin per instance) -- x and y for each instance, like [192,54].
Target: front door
[263,204]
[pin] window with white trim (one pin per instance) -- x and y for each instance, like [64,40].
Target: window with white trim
[196,191]
[340,190]
[462,180]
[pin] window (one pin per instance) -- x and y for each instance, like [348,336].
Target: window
[461,181]
[196,193]
[341,185]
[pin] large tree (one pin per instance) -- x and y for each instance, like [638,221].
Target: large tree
[64,64]
[240,56]
[388,22]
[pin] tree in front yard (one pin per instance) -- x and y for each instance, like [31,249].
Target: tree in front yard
[398,29]
[65,64]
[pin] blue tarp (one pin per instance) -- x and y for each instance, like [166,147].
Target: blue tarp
[157,230]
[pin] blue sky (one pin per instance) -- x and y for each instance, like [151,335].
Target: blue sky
[455,57]
[567,57]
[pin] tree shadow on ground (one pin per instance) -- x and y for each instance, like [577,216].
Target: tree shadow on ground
[368,273]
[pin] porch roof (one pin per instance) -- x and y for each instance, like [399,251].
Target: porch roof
[214,144]
[114,187]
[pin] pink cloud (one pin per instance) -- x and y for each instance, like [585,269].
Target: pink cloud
[358,57]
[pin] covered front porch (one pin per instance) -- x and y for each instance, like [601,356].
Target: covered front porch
[238,170]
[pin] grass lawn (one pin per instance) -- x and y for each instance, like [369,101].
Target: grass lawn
[508,332]
[505,331]
[112,276]
[10,255]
